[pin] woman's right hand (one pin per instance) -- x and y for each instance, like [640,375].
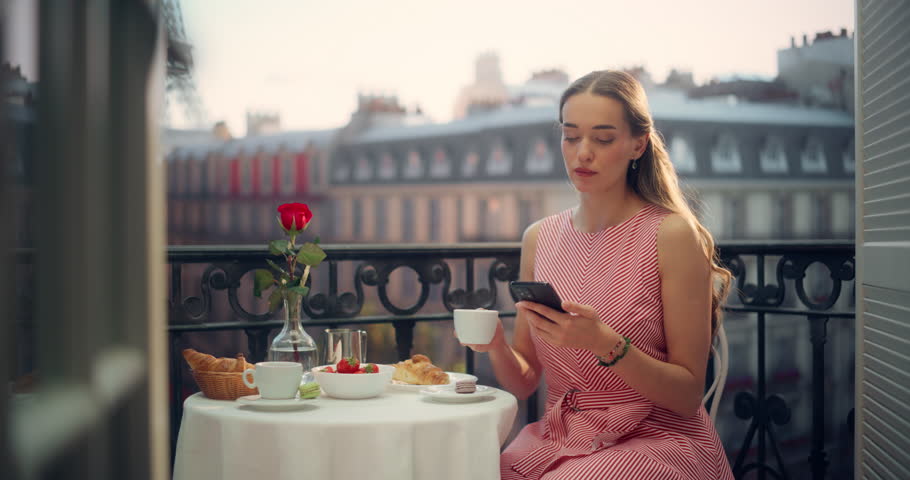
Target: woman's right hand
[498,338]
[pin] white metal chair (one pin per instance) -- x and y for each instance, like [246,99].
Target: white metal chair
[721,352]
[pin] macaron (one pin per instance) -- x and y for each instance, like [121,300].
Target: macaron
[309,390]
[465,386]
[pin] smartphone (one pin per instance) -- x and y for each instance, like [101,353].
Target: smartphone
[539,292]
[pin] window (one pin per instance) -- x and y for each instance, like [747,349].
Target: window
[211,174]
[266,169]
[180,172]
[441,167]
[758,214]
[246,174]
[195,216]
[525,214]
[725,157]
[265,218]
[540,159]
[471,162]
[783,216]
[364,170]
[357,217]
[407,219]
[435,220]
[342,171]
[773,156]
[500,161]
[482,216]
[414,166]
[734,217]
[225,217]
[245,220]
[849,157]
[822,217]
[195,174]
[813,157]
[682,154]
[212,220]
[386,166]
[335,228]
[289,172]
[380,215]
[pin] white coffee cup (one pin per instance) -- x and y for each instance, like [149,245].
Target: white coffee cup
[275,380]
[475,326]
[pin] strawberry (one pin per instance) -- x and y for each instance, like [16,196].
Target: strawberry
[371,368]
[328,370]
[348,365]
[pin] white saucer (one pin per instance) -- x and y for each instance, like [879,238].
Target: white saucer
[453,377]
[446,393]
[254,401]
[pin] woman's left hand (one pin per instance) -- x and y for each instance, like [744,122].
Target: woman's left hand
[580,327]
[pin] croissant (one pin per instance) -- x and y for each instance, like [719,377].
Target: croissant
[418,370]
[203,362]
[200,362]
[242,364]
[225,365]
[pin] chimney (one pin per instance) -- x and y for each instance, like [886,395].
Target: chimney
[792,41]
[805,40]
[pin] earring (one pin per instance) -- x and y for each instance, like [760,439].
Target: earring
[634,164]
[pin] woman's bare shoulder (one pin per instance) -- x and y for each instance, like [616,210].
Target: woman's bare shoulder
[529,250]
[530,233]
[678,242]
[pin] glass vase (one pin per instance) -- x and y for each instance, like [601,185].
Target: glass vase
[293,344]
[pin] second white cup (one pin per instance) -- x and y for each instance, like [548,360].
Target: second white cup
[475,326]
[275,380]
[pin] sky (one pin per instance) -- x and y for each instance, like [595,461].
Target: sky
[307,60]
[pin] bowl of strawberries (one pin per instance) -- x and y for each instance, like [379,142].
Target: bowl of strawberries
[350,379]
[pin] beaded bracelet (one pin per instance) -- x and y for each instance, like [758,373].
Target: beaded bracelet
[611,360]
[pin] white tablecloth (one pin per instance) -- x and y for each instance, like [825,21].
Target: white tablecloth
[398,435]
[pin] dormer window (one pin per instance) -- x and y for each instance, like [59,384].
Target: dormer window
[386,166]
[773,156]
[500,161]
[725,157]
[470,165]
[414,167]
[363,171]
[540,159]
[441,167]
[682,154]
[813,157]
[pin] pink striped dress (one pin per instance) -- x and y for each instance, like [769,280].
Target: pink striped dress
[596,426]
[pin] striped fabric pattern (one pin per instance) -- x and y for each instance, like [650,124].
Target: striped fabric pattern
[596,426]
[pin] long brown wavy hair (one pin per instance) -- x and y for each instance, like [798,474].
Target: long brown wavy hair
[655,179]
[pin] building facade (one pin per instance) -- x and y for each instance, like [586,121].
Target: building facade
[753,172]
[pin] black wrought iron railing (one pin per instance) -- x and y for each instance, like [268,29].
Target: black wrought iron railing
[210,291]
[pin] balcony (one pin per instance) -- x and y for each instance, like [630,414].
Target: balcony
[787,408]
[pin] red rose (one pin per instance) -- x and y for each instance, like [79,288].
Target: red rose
[294,215]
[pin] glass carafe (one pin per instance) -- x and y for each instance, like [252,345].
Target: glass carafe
[293,344]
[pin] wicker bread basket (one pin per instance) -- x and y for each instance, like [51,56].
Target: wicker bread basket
[223,385]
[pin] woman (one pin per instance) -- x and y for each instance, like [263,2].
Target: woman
[625,367]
